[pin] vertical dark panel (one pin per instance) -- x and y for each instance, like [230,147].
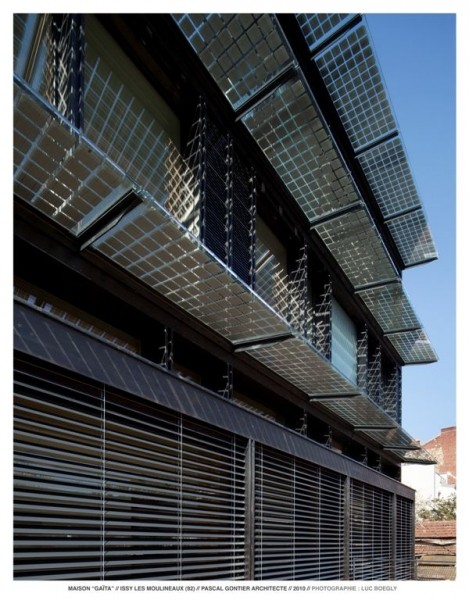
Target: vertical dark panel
[322,302]
[216,192]
[65,68]
[243,203]
[375,374]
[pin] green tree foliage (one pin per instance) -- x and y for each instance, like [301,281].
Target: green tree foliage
[438,509]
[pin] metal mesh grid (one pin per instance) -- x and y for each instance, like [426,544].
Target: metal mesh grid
[318,27]
[413,347]
[392,392]
[390,307]
[374,375]
[301,365]
[354,242]
[290,132]
[57,172]
[413,238]
[389,175]
[160,254]
[351,74]
[242,52]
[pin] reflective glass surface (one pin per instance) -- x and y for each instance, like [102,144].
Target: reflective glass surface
[288,129]
[354,242]
[388,173]
[390,307]
[242,52]
[318,27]
[413,238]
[413,346]
[352,77]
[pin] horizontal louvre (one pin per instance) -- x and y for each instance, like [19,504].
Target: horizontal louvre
[111,488]
[404,539]
[299,519]
[58,480]
[371,533]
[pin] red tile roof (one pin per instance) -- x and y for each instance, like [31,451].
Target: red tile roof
[435,529]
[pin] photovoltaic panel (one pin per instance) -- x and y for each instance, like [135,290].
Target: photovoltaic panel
[390,307]
[316,28]
[420,457]
[352,77]
[56,172]
[413,238]
[392,437]
[288,129]
[357,247]
[357,410]
[158,252]
[242,52]
[301,365]
[413,346]
[388,173]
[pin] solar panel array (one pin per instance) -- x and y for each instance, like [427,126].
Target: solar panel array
[73,181]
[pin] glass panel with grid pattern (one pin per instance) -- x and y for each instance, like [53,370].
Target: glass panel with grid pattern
[413,238]
[291,134]
[354,242]
[389,175]
[59,173]
[242,52]
[298,363]
[413,346]
[318,27]
[161,254]
[390,307]
[352,77]
[358,411]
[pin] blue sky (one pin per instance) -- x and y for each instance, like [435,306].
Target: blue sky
[417,57]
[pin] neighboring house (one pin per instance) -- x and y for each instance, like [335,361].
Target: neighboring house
[436,480]
[435,549]
[212,217]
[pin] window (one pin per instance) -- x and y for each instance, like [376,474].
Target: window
[271,267]
[344,342]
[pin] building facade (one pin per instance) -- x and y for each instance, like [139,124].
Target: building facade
[212,216]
